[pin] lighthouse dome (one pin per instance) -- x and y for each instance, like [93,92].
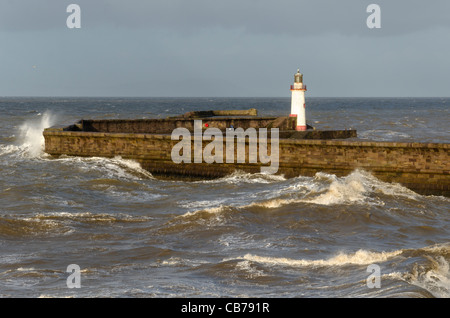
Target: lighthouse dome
[298,77]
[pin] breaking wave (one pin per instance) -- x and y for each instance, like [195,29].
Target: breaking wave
[358,188]
[430,270]
[432,276]
[435,279]
[116,167]
[8,149]
[214,210]
[31,134]
[246,177]
[360,257]
[30,138]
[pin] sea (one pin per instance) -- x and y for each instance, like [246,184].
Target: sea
[105,228]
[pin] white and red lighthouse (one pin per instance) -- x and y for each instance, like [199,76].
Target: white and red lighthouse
[298,101]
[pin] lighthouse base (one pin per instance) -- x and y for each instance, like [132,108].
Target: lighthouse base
[300,128]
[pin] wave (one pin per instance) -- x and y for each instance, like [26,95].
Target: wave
[240,176]
[251,271]
[350,189]
[435,279]
[31,145]
[203,204]
[214,210]
[58,223]
[31,226]
[8,149]
[272,203]
[116,168]
[360,257]
[31,134]
[88,217]
[359,187]
[434,275]
[31,140]
[430,265]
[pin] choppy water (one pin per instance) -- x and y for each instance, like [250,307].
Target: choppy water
[244,235]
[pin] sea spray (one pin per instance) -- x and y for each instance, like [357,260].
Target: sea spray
[31,134]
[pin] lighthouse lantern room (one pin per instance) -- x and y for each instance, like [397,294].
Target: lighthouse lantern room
[298,101]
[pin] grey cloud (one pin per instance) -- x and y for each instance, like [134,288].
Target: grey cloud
[284,17]
[29,15]
[218,48]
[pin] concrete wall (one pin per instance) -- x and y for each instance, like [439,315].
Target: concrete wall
[423,167]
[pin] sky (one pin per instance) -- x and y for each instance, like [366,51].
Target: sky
[232,48]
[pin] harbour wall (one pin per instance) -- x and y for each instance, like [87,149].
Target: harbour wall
[422,167]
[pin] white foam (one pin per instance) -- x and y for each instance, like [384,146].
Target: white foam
[360,257]
[359,187]
[245,177]
[131,165]
[324,189]
[214,210]
[31,139]
[86,217]
[251,271]
[173,261]
[272,203]
[31,134]
[7,149]
[22,269]
[435,280]
[113,167]
[342,191]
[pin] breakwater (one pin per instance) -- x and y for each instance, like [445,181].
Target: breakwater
[422,167]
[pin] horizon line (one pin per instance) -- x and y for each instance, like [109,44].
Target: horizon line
[287,97]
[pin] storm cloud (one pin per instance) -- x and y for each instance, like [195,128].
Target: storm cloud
[224,48]
[301,17]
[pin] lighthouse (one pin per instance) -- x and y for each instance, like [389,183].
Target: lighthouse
[298,101]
